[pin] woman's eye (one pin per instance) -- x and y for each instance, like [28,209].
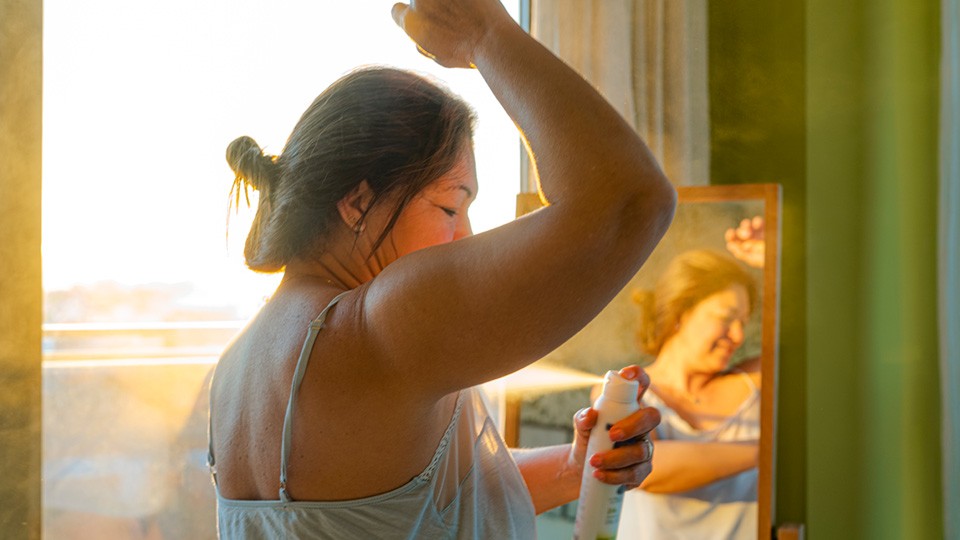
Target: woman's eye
[729,321]
[450,211]
[725,320]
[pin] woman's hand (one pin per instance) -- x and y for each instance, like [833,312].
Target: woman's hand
[628,463]
[450,31]
[746,241]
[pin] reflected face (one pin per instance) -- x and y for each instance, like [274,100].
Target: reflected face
[713,330]
[438,214]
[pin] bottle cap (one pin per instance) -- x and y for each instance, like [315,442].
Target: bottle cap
[617,388]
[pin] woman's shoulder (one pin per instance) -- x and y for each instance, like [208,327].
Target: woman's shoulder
[293,307]
[748,365]
[750,368]
[277,334]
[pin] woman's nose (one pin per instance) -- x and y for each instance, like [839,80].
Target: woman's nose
[735,332]
[463,228]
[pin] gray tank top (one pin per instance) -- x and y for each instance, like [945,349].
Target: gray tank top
[472,488]
[726,508]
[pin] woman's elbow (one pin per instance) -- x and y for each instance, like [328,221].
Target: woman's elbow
[650,211]
[667,199]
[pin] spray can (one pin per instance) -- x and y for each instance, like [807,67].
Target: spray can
[598,509]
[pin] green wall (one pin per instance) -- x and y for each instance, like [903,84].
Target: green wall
[873,75]
[757,116]
[837,101]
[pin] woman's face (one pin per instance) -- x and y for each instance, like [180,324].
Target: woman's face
[713,330]
[436,215]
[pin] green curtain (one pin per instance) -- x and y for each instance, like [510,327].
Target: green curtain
[873,409]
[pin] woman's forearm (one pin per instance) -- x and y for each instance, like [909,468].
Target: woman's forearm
[585,152]
[550,475]
[684,465]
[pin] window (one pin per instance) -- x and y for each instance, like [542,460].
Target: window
[143,287]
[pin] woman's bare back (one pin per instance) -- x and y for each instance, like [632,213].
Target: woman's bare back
[353,435]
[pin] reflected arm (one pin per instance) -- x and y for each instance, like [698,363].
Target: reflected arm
[684,465]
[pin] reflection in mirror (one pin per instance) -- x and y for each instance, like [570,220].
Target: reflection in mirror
[700,316]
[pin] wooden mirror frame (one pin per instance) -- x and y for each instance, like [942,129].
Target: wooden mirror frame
[771,195]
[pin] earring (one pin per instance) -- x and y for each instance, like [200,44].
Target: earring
[359,226]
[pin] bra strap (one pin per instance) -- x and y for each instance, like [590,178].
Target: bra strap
[747,379]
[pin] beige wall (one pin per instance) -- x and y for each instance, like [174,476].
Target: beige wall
[20,282]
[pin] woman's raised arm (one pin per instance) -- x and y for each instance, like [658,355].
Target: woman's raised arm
[462,313]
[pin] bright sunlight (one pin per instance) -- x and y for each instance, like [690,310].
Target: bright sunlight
[140,102]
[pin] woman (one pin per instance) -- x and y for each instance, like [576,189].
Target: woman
[350,393]
[704,481]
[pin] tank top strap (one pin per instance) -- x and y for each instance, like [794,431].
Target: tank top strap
[315,326]
[747,379]
[211,461]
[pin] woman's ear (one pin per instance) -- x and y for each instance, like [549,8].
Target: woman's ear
[354,205]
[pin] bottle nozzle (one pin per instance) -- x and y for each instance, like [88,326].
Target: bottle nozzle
[620,389]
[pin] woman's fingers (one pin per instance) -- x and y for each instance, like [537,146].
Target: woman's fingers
[746,241]
[448,32]
[636,373]
[584,421]
[399,12]
[637,452]
[633,450]
[628,464]
[757,224]
[406,19]
[631,476]
[636,425]
[629,461]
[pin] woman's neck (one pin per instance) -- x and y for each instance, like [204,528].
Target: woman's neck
[670,373]
[344,263]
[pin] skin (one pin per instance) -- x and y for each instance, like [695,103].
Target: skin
[746,241]
[690,377]
[435,309]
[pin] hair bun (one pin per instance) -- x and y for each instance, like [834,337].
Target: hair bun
[251,166]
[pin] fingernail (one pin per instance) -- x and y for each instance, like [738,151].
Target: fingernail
[616,434]
[598,475]
[596,461]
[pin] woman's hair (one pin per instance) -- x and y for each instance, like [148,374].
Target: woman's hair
[394,129]
[690,278]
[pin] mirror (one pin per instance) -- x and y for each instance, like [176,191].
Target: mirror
[717,333]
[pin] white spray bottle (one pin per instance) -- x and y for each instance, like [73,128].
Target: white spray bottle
[598,509]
